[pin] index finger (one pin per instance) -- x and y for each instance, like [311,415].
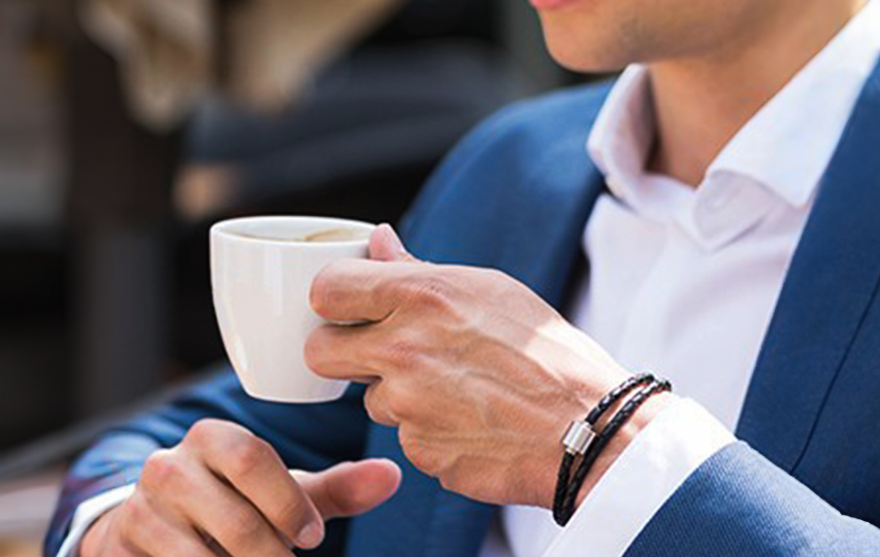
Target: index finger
[360,290]
[256,471]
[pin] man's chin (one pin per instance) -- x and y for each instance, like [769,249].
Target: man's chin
[585,58]
[591,50]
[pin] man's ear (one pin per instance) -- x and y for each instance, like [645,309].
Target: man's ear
[385,245]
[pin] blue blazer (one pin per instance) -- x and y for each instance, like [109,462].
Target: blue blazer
[515,195]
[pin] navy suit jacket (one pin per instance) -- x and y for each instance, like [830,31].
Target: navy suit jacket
[515,195]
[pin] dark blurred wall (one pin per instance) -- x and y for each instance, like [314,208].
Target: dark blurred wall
[34,267]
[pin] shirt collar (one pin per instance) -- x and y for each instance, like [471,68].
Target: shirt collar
[785,147]
[623,133]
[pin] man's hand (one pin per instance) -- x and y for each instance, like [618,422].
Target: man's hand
[481,376]
[222,491]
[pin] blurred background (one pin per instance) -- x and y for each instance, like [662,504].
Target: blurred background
[127,127]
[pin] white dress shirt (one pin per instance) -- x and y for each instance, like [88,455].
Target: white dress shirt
[682,282]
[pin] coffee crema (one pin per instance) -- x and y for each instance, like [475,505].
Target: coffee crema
[321,236]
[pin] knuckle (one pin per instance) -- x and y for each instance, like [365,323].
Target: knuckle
[419,459]
[417,453]
[320,293]
[371,403]
[401,403]
[457,483]
[375,405]
[452,480]
[292,515]
[247,454]
[135,514]
[431,292]
[244,530]
[160,470]
[315,349]
[204,431]
[402,353]
[446,482]
[312,352]
[136,509]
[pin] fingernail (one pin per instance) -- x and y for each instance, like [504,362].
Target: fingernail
[311,535]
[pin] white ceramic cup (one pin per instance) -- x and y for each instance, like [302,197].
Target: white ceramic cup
[261,273]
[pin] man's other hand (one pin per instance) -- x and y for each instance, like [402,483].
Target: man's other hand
[223,491]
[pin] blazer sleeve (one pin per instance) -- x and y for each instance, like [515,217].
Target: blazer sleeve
[738,503]
[311,437]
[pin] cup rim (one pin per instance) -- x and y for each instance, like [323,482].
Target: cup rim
[222,228]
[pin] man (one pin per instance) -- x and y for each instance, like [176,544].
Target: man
[734,250]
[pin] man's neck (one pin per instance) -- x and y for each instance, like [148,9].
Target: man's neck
[701,103]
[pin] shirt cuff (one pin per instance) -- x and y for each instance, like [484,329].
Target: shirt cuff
[661,457]
[87,513]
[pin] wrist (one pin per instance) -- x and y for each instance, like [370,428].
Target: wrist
[543,465]
[622,439]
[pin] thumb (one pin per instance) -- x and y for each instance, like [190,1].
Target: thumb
[385,245]
[350,488]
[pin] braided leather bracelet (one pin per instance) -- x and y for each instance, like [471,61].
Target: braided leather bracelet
[579,435]
[564,505]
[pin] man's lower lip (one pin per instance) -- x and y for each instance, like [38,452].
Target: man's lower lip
[550,4]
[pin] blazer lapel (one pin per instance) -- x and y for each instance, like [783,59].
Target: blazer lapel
[832,280]
[547,248]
